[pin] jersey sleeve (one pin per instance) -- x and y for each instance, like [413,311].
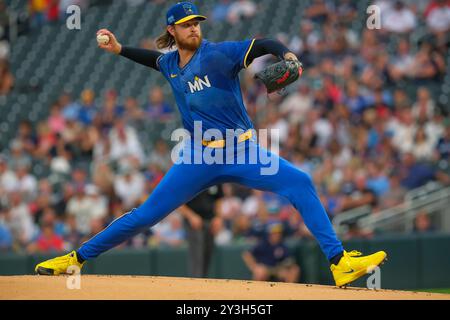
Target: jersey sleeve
[142,56]
[161,64]
[236,53]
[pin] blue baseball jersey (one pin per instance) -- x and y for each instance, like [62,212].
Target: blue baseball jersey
[207,88]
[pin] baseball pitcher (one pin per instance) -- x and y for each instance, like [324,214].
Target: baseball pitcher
[204,79]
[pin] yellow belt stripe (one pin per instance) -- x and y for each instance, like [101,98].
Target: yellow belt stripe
[221,143]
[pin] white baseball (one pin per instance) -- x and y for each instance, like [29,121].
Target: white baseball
[102,39]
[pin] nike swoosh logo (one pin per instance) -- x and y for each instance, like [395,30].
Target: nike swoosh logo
[351,271]
[173,75]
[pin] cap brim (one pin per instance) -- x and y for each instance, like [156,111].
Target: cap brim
[192,16]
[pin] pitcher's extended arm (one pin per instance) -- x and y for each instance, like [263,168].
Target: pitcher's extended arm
[143,56]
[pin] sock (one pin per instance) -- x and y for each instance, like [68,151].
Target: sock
[79,258]
[335,260]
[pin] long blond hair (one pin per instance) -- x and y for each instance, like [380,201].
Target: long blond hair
[165,40]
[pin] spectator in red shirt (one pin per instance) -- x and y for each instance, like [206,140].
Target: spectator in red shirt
[52,10]
[48,241]
[46,140]
[437,15]
[333,91]
[6,78]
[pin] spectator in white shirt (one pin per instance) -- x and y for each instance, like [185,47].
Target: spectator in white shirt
[307,38]
[402,61]
[84,207]
[8,179]
[399,18]
[423,108]
[129,186]
[230,205]
[437,16]
[321,127]
[403,138]
[253,203]
[297,104]
[20,220]
[124,142]
[423,146]
[99,203]
[241,9]
[60,165]
[26,183]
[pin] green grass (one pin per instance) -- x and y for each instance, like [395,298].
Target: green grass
[447,291]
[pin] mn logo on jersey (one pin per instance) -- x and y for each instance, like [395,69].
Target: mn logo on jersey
[199,84]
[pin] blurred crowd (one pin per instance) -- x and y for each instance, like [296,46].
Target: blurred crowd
[364,122]
[6,76]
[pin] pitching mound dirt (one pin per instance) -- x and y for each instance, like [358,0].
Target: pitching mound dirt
[171,288]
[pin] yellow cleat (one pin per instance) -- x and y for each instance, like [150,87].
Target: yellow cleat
[59,265]
[353,266]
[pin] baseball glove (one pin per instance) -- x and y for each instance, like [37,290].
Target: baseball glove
[278,75]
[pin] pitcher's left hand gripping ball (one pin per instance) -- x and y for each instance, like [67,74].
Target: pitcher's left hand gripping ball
[278,75]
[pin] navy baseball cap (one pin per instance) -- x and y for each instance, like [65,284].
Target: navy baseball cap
[182,12]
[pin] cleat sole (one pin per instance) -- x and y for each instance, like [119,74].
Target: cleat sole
[45,271]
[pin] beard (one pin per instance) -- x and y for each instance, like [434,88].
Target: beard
[191,43]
